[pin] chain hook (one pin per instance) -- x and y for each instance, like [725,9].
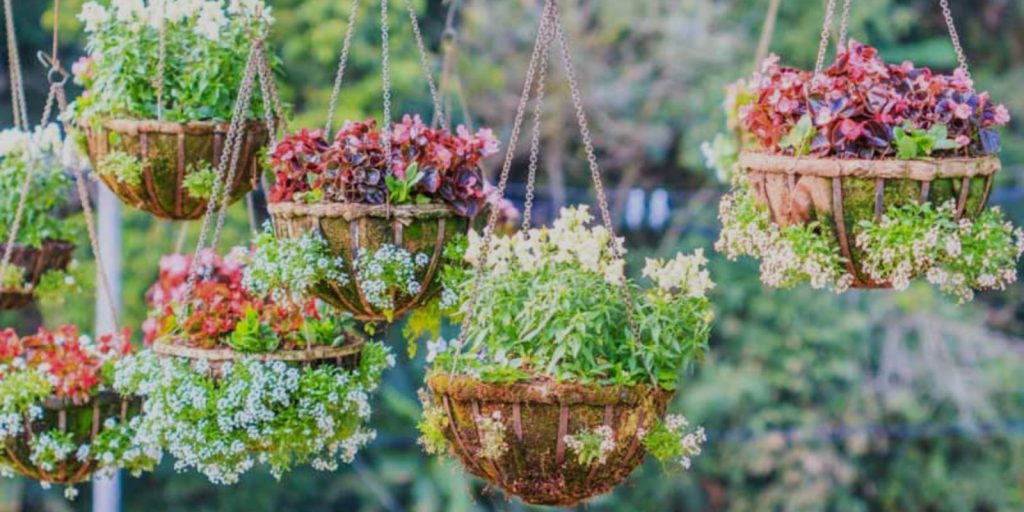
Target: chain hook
[56,75]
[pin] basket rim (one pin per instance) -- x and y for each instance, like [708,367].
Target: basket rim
[131,126]
[550,392]
[888,168]
[217,355]
[352,211]
[105,396]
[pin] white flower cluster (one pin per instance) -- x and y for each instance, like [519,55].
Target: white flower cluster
[48,449]
[207,17]
[592,446]
[749,231]
[286,269]
[492,436]
[388,271]
[43,142]
[267,412]
[569,240]
[957,256]
[690,443]
[685,274]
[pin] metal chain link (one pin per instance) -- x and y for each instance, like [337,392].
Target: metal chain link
[844,24]
[385,75]
[595,172]
[954,36]
[510,153]
[439,115]
[18,105]
[342,63]
[230,152]
[161,63]
[826,28]
[538,115]
[273,111]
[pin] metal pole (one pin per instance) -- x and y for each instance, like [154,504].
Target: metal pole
[106,496]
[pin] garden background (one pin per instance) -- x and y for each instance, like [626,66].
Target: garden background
[869,401]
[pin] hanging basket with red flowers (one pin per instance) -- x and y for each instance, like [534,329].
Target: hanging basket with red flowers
[869,175]
[63,421]
[234,378]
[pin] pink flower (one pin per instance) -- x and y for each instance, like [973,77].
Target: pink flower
[1002,115]
[962,111]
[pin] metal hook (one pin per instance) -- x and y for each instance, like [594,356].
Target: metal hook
[56,74]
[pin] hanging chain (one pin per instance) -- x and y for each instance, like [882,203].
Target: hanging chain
[342,63]
[595,172]
[826,28]
[385,75]
[844,24]
[230,154]
[18,105]
[161,62]
[21,123]
[767,32]
[439,116]
[273,111]
[954,36]
[492,222]
[538,115]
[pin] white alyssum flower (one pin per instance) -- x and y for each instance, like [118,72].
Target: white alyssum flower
[211,20]
[93,16]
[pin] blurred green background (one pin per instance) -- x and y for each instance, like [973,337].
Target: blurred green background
[869,401]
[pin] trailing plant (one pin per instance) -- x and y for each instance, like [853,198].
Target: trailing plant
[789,255]
[386,272]
[223,420]
[255,412]
[122,167]
[68,366]
[206,47]
[671,443]
[957,256]
[862,107]
[49,193]
[551,307]
[199,180]
[427,165]
[287,268]
[722,152]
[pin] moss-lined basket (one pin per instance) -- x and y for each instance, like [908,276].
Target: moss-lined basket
[168,151]
[351,228]
[83,421]
[53,255]
[537,417]
[846,192]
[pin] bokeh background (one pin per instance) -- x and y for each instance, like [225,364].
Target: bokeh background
[866,401]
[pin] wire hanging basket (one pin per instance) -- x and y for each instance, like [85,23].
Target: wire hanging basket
[53,255]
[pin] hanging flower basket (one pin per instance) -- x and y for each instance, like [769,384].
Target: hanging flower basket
[165,168]
[155,129]
[800,190]
[235,378]
[64,422]
[54,255]
[384,228]
[352,231]
[557,399]
[538,419]
[870,175]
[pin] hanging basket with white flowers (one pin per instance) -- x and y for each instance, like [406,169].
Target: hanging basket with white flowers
[869,175]
[160,80]
[559,383]
[234,379]
[61,421]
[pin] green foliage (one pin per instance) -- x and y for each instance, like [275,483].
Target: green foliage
[199,181]
[912,143]
[12,276]
[122,167]
[798,140]
[432,426]
[203,67]
[251,335]
[48,193]
[400,190]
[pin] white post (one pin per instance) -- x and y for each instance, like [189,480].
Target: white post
[106,496]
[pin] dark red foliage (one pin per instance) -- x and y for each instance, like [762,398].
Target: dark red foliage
[858,102]
[353,168]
